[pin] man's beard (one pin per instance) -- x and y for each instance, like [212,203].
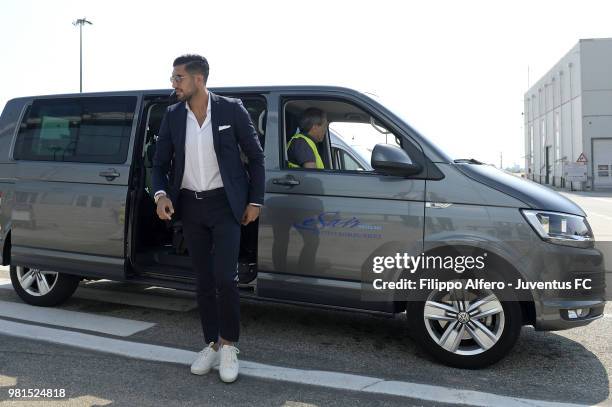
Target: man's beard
[184,97]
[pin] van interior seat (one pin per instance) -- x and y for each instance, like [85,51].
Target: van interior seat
[261,126]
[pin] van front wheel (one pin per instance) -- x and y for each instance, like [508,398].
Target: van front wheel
[42,287]
[465,329]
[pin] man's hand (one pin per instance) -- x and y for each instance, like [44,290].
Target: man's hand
[250,214]
[165,210]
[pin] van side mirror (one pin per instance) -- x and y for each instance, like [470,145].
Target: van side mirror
[392,160]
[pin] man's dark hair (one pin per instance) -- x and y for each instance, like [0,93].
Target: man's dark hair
[194,64]
[310,117]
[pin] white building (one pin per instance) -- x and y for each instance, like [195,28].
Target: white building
[568,112]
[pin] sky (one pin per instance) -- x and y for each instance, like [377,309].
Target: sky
[455,70]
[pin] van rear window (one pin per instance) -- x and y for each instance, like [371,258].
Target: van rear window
[90,130]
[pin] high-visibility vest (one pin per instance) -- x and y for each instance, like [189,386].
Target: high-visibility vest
[313,147]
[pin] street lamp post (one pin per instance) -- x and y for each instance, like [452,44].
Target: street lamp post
[81,22]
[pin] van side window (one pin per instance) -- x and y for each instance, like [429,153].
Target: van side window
[343,141]
[88,130]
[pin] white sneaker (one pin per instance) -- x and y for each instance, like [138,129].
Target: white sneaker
[228,368]
[207,358]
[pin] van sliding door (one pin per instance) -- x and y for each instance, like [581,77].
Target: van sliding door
[73,160]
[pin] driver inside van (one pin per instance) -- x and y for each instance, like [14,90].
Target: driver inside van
[302,149]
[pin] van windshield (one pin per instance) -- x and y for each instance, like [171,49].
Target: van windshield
[399,110]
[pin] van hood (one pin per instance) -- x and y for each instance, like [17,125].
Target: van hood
[534,195]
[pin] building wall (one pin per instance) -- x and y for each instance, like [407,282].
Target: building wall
[597,101]
[553,105]
[566,109]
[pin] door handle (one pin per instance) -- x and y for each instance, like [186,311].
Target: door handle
[438,205]
[109,174]
[288,181]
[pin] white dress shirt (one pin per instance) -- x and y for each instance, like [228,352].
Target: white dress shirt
[201,166]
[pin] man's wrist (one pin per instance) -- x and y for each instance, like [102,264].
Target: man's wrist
[158,195]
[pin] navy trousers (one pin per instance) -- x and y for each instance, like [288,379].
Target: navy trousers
[212,236]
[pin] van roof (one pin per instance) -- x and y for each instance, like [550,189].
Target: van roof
[435,153]
[220,89]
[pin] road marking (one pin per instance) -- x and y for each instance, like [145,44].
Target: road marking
[343,381]
[165,303]
[72,319]
[591,213]
[78,401]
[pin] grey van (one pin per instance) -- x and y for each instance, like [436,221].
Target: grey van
[76,203]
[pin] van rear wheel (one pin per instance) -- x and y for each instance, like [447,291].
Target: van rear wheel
[42,287]
[464,328]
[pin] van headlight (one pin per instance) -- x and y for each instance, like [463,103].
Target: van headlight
[560,228]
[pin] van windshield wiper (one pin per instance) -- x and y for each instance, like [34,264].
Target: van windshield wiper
[467,161]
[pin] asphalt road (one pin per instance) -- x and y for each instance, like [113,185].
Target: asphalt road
[569,366]
[96,378]
[598,206]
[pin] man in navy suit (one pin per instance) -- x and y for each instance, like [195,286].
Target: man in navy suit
[213,194]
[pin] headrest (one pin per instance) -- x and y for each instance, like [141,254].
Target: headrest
[261,123]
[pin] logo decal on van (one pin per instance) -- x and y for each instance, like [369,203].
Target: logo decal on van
[330,222]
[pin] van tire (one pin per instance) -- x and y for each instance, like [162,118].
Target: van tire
[512,315]
[61,285]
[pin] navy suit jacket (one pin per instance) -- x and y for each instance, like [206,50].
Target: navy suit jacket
[241,187]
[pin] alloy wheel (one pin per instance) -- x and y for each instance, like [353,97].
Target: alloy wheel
[36,282]
[464,322]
